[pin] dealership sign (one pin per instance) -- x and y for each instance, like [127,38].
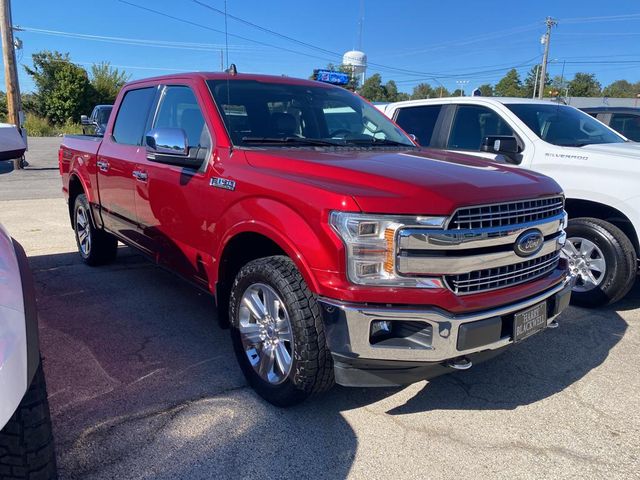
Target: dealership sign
[329,76]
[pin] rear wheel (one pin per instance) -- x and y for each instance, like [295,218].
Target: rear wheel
[96,247]
[602,258]
[26,442]
[277,332]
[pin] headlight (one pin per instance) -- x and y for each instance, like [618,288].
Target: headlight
[370,241]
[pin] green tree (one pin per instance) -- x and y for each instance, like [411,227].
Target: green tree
[558,87]
[622,89]
[531,82]
[107,82]
[373,90]
[510,85]
[423,90]
[63,90]
[584,85]
[3,106]
[457,92]
[486,90]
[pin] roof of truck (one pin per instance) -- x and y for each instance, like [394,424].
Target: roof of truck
[227,76]
[504,100]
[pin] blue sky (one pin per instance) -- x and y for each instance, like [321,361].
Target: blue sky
[409,41]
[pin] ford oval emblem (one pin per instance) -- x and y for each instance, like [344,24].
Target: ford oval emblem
[529,243]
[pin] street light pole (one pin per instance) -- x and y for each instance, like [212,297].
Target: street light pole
[550,22]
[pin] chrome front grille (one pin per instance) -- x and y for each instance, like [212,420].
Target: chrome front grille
[501,277]
[504,214]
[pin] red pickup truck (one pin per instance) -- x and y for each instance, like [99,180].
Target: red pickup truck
[336,249]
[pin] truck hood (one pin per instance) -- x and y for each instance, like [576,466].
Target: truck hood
[421,182]
[627,149]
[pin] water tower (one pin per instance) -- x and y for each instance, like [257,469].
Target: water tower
[357,60]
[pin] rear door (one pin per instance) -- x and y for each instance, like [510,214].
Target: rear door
[121,150]
[175,205]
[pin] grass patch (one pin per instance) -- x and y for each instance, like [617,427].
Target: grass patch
[40,127]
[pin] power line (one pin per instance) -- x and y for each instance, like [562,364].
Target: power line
[133,41]
[606,18]
[199,25]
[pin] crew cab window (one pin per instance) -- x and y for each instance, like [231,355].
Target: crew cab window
[472,123]
[627,124]
[179,109]
[563,125]
[131,121]
[419,121]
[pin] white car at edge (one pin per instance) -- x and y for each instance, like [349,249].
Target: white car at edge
[26,442]
[598,169]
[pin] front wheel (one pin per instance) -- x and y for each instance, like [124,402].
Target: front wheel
[277,332]
[602,258]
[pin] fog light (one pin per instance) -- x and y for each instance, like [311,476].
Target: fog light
[380,327]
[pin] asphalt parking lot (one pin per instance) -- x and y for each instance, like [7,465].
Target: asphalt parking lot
[143,383]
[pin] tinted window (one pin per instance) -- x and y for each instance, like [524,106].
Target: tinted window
[627,124]
[563,125]
[472,123]
[132,116]
[179,109]
[287,114]
[419,121]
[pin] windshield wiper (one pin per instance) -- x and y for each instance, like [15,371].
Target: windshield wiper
[379,142]
[291,140]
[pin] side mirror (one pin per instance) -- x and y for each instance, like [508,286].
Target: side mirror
[84,120]
[506,145]
[6,166]
[170,146]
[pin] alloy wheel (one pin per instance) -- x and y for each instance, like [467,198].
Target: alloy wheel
[586,261]
[265,332]
[83,230]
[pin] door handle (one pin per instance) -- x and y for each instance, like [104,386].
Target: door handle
[102,165]
[139,175]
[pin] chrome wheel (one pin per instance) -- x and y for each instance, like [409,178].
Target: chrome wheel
[83,230]
[586,261]
[265,332]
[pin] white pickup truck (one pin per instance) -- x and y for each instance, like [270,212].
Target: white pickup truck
[26,442]
[598,169]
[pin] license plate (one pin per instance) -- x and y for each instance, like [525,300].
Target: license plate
[529,321]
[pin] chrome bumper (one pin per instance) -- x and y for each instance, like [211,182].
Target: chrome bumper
[348,328]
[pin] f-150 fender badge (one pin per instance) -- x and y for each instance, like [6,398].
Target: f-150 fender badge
[222,183]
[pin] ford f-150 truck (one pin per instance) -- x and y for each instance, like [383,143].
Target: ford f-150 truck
[335,248]
[597,168]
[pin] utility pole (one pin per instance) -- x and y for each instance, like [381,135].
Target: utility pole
[14,103]
[550,22]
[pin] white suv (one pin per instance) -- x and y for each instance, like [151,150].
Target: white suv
[26,442]
[598,169]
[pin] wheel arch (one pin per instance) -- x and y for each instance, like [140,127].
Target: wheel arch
[586,208]
[76,187]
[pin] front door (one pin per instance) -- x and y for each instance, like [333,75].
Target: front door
[119,153]
[173,203]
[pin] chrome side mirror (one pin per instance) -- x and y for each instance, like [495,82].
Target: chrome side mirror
[84,120]
[167,141]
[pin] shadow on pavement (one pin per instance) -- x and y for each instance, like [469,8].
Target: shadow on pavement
[144,384]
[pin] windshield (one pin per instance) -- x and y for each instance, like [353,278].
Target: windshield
[562,125]
[280,114]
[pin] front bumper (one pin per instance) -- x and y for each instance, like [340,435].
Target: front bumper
[440,338]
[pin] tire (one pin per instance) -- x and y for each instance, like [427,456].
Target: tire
[310,367]
[96,247]
[608,249]
[26,442]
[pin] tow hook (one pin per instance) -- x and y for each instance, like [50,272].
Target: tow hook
[460,363]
